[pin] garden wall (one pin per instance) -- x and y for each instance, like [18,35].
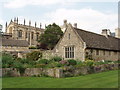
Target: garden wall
[67,71]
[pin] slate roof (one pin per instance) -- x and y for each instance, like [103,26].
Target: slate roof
[12,42]
[98,41]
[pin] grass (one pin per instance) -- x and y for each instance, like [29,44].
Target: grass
[107,79]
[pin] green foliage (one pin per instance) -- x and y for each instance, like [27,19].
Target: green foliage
[56,59]
[39,65]
[51,36]
[43,61]
[32,47]
[34,56]
[72,62]
[53,65]
[89,63]
[7,60]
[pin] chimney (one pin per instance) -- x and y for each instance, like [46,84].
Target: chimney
[11,20]
[117,32]
[75,25]
[24,21]
[35,24]
[6,27]
[65,21]
[17,20]
[29,23]
[40,25]
[106,32]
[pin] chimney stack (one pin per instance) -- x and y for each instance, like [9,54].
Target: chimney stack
[24,21]
[117,32]
[17,20]
[65,21]
[35,24]
[75,25]
[40,25]
[6,27]
[106,32]
[29,23]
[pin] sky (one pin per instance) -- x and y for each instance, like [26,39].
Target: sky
[90,15]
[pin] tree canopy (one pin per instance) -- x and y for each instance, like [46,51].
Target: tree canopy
[50,37]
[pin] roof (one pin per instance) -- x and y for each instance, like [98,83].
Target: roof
[12,42]
[98,41]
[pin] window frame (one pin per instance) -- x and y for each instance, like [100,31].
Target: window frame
[69,52]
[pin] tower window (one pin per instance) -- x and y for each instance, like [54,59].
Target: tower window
[20,33]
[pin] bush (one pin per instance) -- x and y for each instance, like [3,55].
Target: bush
[53,64]
[32,47]
[7,60]
[72,62]
[35,55]
[43,61]
[40,65]
[89,63]
[56,58]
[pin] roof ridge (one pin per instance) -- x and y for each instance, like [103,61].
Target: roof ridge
[96,33]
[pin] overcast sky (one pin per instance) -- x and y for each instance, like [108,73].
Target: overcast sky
[92,16]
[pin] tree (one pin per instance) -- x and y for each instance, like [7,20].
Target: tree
[50,37]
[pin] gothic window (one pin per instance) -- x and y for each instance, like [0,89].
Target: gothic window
[69,52]
[32,35]
[26,35]
[20,33]
[97,52]
[37,36]
[69,35]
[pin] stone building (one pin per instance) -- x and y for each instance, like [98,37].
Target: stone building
[15,47]
[79,44]
[23,31]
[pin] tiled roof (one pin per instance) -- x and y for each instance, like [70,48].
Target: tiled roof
[98,41]
[12,42]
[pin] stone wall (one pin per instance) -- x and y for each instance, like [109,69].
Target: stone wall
[104,55]
[53,72]
[67,71]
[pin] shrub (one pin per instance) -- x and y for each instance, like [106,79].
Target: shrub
[40,65]
[72,62]
[53,64]
[35,55]
[32,47]
[56,58]
[89,63]
[7,60]
[43,61]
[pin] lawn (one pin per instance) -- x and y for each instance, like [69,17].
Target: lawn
[107,79]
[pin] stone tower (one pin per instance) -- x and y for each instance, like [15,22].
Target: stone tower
[117,32]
